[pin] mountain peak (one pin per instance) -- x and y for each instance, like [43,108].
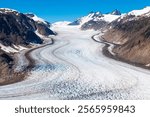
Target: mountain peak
[36,18]
[116,12]
[93,15]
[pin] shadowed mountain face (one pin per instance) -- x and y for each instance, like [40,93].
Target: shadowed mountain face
[5,58]
[17,28]
[116,12]
[42,26]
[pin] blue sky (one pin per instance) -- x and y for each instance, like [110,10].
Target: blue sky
[56,10]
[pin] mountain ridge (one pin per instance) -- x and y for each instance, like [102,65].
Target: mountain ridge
[131,33]
[96,20]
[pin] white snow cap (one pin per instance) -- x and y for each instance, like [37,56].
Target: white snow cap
[140,12]
[38,19]
[97,16]
[110,18]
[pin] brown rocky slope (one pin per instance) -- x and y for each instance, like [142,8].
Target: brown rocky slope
[133,39]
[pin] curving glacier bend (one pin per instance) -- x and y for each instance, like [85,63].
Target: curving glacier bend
[75,68]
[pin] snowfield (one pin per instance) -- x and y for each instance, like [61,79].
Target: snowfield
[140,12]
[75,68]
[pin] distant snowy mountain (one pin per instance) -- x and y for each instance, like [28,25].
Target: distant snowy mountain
[91,16]
[141,12]
[96,20]
[97,16]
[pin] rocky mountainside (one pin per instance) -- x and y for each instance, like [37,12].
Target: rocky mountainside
[132,34]
[17,31]
[96,20]
[42,26]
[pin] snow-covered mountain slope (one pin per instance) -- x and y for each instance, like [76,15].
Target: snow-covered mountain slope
[96,16]
[92,16]
[140,12]
[96,20]
[36,18]
[101,23]
[109,17]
